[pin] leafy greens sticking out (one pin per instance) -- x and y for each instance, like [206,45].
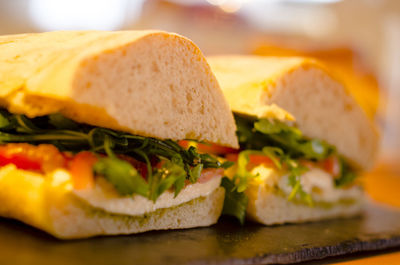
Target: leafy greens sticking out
[280,160]
[243,177]
[177,164]
[256,134]
[235,202]
[259,133]
[125,178]
[297,189]
[284,145]
[347,176]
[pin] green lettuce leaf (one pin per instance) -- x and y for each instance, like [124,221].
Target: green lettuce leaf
[291,139]
[284,145]
[4,122]
[243,177]
[122,175]
[258,134]
[67,135]
[61,122]
[236,200]
[170,175]
[347,176]
[235,203]
[297,193]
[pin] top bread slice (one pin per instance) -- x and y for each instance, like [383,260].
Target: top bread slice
[150,83]
[321,106]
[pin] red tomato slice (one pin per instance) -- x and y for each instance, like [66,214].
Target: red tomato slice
[20,161]
[209,148]
[260,159]
[184,143]
[81,170]
[331,165]
[254,160]
[215,149]
[233,157]
[44,157]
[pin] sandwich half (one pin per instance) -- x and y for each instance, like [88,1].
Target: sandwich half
[303,140]
[89,124]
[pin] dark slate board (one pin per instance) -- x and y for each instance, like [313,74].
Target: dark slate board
[224,243]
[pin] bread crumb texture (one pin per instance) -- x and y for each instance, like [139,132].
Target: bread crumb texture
[270,208]
[50,205]
[150,83]
[319,103]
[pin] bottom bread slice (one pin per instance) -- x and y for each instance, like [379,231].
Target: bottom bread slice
[77,219]
[52,207]
[270,208]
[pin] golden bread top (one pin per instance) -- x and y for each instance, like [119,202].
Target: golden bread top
[301,89]
[150,83]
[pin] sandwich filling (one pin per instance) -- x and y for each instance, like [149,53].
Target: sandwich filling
[112,170]
[277,156]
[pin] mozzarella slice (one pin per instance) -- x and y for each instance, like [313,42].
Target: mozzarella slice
[103,196]
[316,182]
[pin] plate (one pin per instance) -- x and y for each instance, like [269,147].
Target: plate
[224,243]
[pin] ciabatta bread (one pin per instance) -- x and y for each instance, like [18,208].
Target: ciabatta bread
[319,103]
[48,203]
[150,83]
[271,208]
[300,90]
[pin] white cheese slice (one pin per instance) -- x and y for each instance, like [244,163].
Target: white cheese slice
[324,183]
[103,196]
[316,182]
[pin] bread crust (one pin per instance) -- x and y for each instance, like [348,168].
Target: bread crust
[47,203]
[271,208]
[319,103]
[150,83]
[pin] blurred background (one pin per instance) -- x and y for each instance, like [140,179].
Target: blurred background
[358,39]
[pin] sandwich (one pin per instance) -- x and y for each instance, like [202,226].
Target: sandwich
[89,129]
[303,141]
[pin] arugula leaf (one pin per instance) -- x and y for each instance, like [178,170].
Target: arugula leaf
[55,129]
[294,181]
[195,172]
[227,164]
[274,126]
[61,122]
[169,175]
[258,134]
[246,135]
[235,203]
[243,176]
[291,139]
[25,125]
[4,122]
[122,175]
[284,145]
[279,158]
[67,135]
[275,154]
[255,134]
[297,189]
[347,176]
[127,181]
